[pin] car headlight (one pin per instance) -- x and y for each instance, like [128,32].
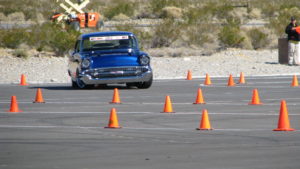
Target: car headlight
[85,63]
[144,60]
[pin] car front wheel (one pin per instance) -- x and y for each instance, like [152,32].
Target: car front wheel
[145,85]
[79,84]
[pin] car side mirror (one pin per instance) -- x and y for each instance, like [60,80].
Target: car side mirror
[76,56]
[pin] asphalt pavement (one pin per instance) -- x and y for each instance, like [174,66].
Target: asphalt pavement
[67,132]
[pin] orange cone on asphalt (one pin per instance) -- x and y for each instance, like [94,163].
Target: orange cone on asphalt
[116,97]
[189,75]
[283,122]
[168,106]
[295,81]
[14,108]
[23,80]
[242,78]
[205,123]
[113,120]
[255,98]
[207,80]
[230,81]
[199,98]
[39,96]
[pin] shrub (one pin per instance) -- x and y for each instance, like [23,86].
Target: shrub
[17,16]
[246,43]
[63,40]
[166,33]
[171,12]
[144,37]
[120,17]
[123,7]
[21,53]
[12,38]
[52,35]
[239,14]
[279,23]
[2,17]
[255,13]
[198,34]
[157,6]
[230,36]
[258,38]
[207,12]
[221,10]
[268,8]
[196,15]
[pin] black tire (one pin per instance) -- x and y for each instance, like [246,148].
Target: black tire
[145,85]
[99,25]
[79,84]
[74,85]
[75,25]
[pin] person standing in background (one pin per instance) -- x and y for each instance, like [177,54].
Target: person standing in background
[293,43]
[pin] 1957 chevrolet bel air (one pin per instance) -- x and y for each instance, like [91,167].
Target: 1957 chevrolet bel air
[109,58]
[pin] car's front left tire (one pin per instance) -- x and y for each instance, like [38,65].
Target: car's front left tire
[79,84]
[145,85]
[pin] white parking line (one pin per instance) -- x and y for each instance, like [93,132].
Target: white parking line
[161,114]
[233,103]
[129,128]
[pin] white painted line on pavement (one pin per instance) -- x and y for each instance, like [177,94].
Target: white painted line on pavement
[159,113]
[130,128]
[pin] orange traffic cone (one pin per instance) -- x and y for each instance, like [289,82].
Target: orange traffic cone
[189,75]
[168,105]
[207,80]
[116,97]
[283,122]
[14,108]
[23,80]
[255,98]
[205,123]
[295,81]
[230,81]
[199,98]
[242,78]
[39,97]
[113,120]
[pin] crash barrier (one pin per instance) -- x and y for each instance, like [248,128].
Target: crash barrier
[113,123]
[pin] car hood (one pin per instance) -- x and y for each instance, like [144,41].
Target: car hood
[114,58]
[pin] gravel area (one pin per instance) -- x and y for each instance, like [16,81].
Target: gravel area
[231,61]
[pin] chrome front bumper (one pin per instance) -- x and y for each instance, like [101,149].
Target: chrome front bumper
[116,75]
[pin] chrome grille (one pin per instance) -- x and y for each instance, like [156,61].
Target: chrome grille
[117,72]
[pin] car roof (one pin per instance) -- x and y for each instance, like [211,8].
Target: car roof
[110,33]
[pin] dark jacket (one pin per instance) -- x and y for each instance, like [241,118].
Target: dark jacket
[292,34]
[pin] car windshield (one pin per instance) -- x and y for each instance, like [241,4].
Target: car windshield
[107,43]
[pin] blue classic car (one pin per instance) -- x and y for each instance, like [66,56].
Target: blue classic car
[109,58]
